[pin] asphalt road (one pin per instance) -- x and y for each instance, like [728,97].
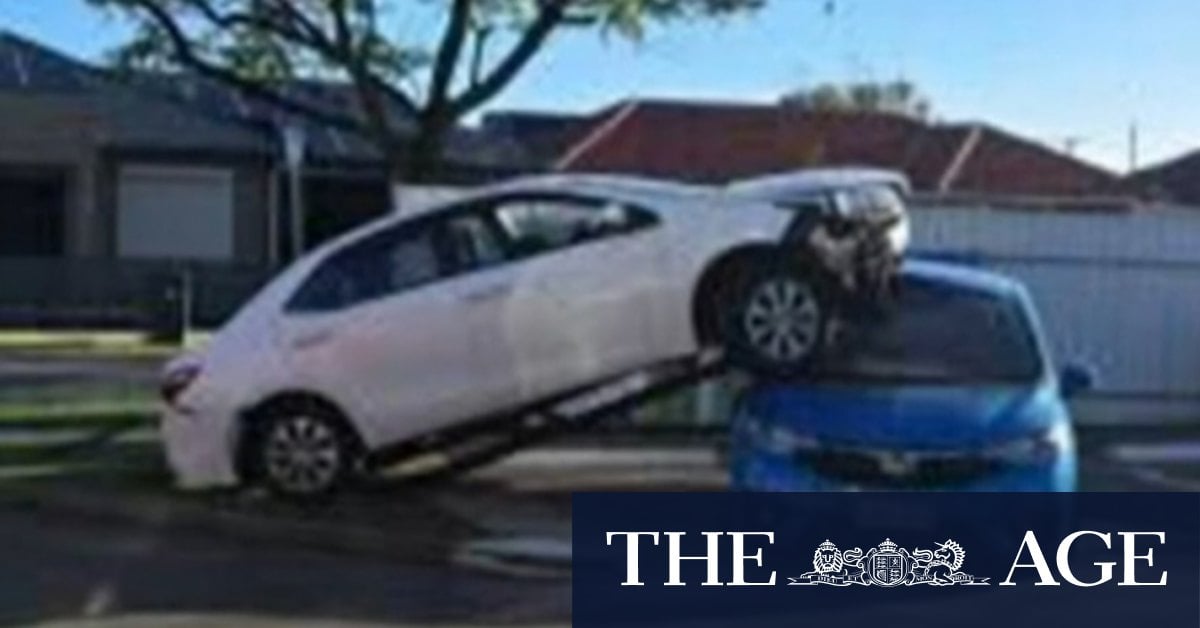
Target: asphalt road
[56,569]
[61,567]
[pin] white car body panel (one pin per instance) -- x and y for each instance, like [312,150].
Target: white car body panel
[490,340]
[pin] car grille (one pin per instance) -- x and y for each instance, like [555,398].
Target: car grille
[897,470]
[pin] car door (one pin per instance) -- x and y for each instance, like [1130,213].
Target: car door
[582,283]
[387,327]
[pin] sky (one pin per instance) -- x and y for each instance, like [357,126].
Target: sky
[1079,72]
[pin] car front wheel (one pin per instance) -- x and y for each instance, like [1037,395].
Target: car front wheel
[302,452]
[777,321]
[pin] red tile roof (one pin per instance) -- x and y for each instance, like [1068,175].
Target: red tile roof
[1176,180]
[718,142]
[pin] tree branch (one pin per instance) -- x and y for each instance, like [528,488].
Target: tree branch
[186,56]
[446,59]
[549,16]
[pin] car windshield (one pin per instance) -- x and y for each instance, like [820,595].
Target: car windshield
[937,334]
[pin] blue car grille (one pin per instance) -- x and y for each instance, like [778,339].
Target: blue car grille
[893,470]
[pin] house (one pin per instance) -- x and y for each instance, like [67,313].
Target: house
[712,142]
[1176,180]
[107,181]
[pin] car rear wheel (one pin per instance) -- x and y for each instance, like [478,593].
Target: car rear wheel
[777,321]
[303,451]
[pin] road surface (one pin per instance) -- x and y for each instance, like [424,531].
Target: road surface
[55,569]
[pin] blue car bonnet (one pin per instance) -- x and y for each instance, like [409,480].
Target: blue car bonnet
[914,417]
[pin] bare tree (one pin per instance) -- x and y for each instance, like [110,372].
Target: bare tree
[417,68]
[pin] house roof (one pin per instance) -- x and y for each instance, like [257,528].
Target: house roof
[125,117]
[532,141]
[26,65]
[183,111]
[718,142]
[222,102]
[1176,180]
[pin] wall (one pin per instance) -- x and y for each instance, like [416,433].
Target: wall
[405,197]
[1117,291]
[58,132]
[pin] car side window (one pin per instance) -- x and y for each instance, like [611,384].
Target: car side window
[539,224]
[474,243]
[380,265]
[868,201]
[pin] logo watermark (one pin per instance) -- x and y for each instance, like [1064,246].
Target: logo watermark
[888,565]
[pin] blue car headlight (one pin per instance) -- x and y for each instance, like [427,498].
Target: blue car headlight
[1038,449]
[777,440]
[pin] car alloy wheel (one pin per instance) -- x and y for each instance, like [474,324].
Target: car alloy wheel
[782,319]
[303,455]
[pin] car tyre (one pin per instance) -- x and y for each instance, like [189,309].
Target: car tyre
[303,451]
[777,320]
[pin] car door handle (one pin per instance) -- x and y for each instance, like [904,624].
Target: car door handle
[311,339]
[488,293]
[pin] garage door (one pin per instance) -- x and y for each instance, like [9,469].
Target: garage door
[175,213]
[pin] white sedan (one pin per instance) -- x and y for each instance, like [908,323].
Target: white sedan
[513,294]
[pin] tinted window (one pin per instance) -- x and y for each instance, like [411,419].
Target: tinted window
[474,243]
[937,334]
[380,265]
[869,201]
[538,224]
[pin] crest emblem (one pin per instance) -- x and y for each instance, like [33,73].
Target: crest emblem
[888,565]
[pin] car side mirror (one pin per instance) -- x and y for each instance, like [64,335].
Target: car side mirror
[1075,379]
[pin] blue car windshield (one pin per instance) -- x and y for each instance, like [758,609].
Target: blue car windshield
[935,334]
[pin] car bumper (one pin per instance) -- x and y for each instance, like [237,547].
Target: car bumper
[756,472]
[865,263]
[199,448]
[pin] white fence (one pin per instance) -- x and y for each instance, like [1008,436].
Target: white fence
[1118,291]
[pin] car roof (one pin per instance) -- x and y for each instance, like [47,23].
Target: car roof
[772,186]
[628,187]
[962,276]
[621,187]
[597,183]
[798,182]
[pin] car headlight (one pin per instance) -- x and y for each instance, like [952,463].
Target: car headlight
[1038,449]
[899,235]
[778,440]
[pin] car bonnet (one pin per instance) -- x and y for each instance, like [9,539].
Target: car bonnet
[915,417]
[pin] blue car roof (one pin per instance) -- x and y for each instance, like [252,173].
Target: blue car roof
[961,276]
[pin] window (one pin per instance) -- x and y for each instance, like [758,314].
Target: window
[473,242]
[380,265]
[539,224]
[938,334]
[870,202]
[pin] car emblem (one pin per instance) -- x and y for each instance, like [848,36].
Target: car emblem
[896,464]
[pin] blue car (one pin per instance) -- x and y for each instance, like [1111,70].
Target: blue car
[953,389]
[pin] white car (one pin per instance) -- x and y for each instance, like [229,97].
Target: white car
[514,294]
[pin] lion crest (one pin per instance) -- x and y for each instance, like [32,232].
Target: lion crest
[827,559]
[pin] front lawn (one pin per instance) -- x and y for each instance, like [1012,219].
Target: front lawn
[92,343]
